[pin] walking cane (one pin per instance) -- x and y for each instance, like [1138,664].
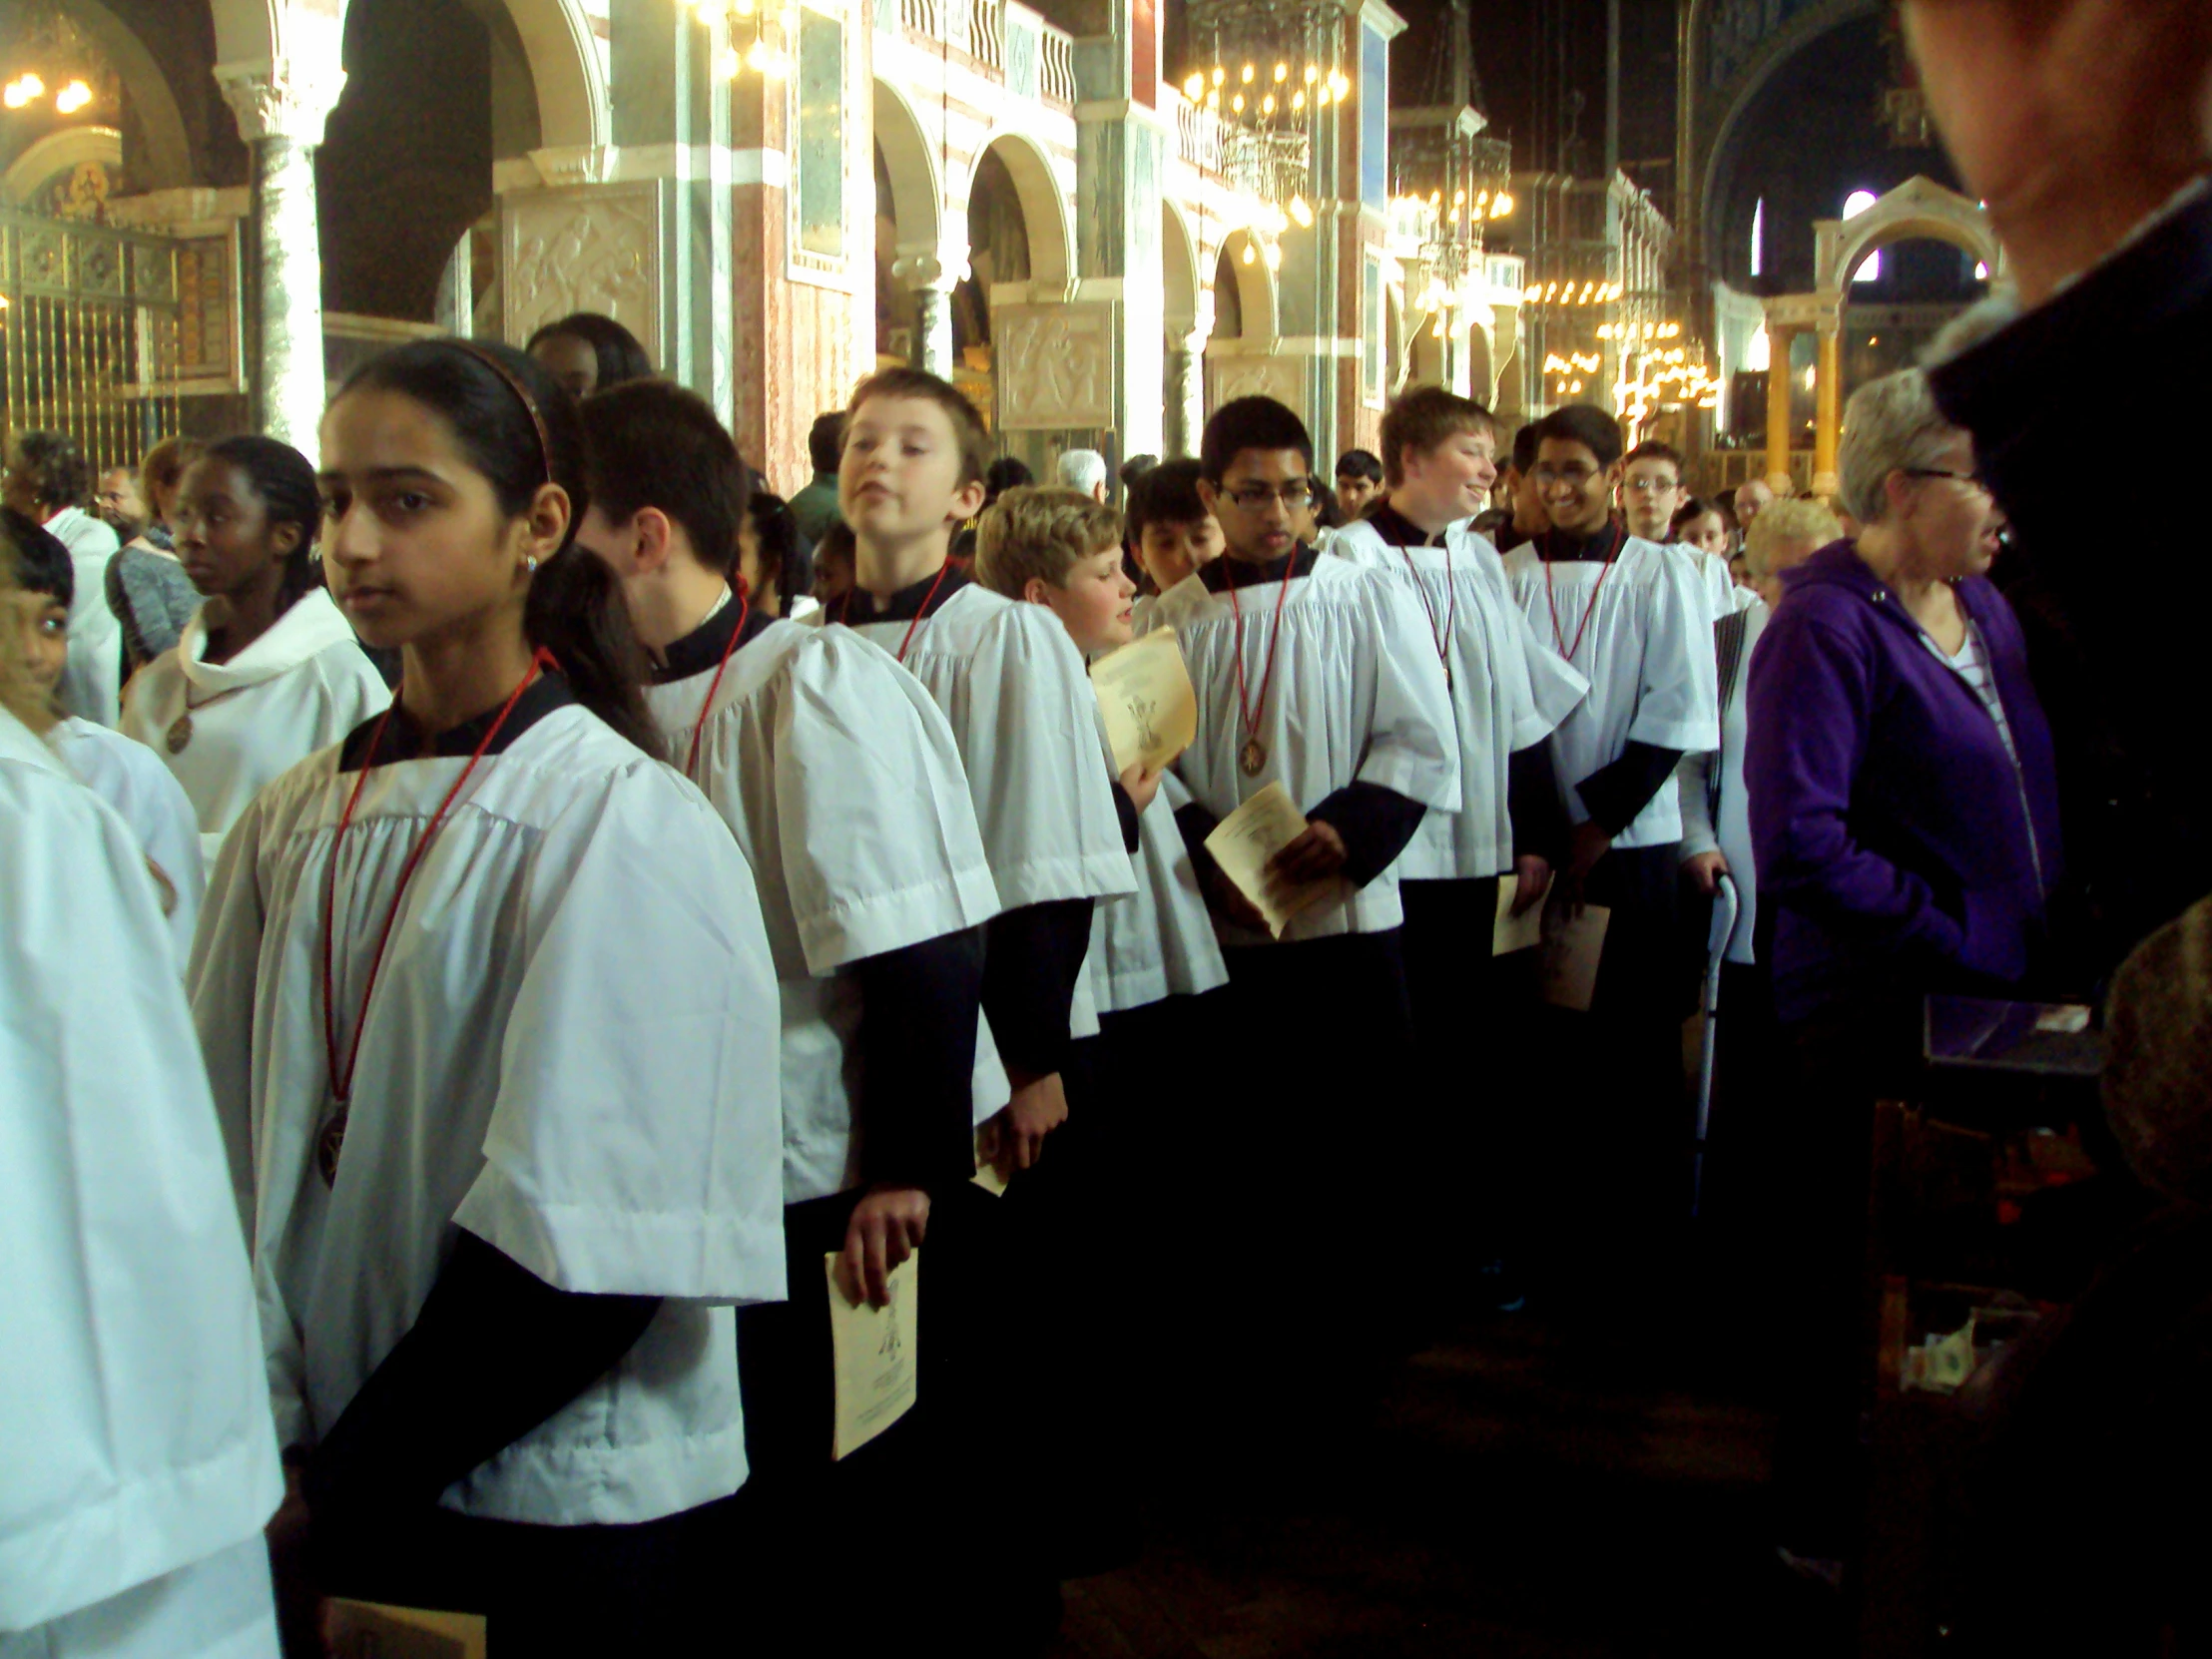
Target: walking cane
[1727,906]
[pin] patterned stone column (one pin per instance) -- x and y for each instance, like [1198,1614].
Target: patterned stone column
[281,109]
[1189,362]
[933,286]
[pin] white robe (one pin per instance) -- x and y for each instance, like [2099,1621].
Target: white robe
[300,687]
[1158,942]
[138,1458]
[840,780]
[571,1054]
[130,777]
[1357,694]
[94,674]
[1510,690]
[1648,653]
[1033,743]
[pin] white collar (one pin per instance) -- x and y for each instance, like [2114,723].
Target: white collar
[312,625]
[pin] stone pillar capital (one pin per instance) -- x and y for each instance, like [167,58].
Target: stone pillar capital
[280,98]
[924,272]
[575,164]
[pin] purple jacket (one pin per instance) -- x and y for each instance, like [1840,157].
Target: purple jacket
[1899,849]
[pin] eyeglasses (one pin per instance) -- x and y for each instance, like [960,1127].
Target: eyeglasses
[1649,486]
[1254,498]
[1973,480]
[1579,476]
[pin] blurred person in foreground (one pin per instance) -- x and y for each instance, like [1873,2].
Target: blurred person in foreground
[2086,127]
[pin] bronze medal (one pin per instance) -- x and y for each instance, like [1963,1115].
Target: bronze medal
[1253,757]
[328,1147]
[179,733]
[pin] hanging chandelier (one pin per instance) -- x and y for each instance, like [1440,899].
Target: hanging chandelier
[1447,183]
[759,38]
[1272,71]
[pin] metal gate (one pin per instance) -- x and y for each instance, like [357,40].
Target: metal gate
[89,320]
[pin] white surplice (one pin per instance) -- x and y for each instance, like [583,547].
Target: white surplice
[137,1455]
[1509,689]
[1647,651]
[843,786]
[571,1052]
[299,688]
[1730,835]
[93,676]
[130,777]
[1033,743]
[1358,696]
[1158,942]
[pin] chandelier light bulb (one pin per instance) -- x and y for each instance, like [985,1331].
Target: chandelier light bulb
[1275,258]
[1301,211]
[1298,102]
[1249,254]
[1503,205]
[1267,104]
[1282,73]
[756,57]
[1245,73]
[1220,75]
[1237,103]
[22,89]
[1312,74]
[1195,88]
[728,63]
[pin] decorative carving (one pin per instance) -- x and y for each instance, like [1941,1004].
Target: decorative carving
[577,164]
[1055,365]
[280,100]
[593,250]
[1281,379]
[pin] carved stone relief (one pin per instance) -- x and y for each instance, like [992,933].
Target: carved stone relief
[594,249]
[1281,379]
[1055,365]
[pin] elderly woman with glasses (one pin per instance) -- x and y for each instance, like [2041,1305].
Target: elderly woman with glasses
[1904,822]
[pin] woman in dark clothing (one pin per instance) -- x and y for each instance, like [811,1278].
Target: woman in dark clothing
[1905,824]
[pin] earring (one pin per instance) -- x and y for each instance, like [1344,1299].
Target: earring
[530,564]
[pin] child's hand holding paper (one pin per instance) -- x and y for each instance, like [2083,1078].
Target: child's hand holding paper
[1266,851]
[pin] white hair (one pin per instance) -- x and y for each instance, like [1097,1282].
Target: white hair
[1890,426]
[1083,469]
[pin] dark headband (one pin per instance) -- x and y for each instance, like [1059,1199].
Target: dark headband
[514,385]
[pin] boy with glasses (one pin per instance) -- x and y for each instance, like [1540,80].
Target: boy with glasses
[1321,678]
[1651,491]
[1632,617]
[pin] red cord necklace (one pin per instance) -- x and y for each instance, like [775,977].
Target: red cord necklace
[1451,607]
[745,609]
[1552,598]
[944,571]
[1252,759]
[341,1072]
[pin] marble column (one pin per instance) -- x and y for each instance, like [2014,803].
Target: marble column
[932,284]
[281,109]
[1778,341]
[1188,359]
[1827,417]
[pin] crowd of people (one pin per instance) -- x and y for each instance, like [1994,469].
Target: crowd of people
[509,926]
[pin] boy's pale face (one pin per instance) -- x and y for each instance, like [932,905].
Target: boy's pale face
[1452,481]
[45,624]
[1094,602]
[899,478]
[1171,552]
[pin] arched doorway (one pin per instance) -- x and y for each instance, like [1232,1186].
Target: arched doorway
[909,222]
[1019,246]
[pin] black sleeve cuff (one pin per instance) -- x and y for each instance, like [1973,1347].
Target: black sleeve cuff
[1532,802]
[1031,964]
[1615,793]
[1375,825]
[1193,823]
[915,1107]
[494,1353]
[1125,809]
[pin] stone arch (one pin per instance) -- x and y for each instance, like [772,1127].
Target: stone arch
[1701,137]
[1179,271]
[62,152]
[911,164]
[1919,208]
[1257,301]
[574,112]
[161,122]
[248,31]
[1044,206]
